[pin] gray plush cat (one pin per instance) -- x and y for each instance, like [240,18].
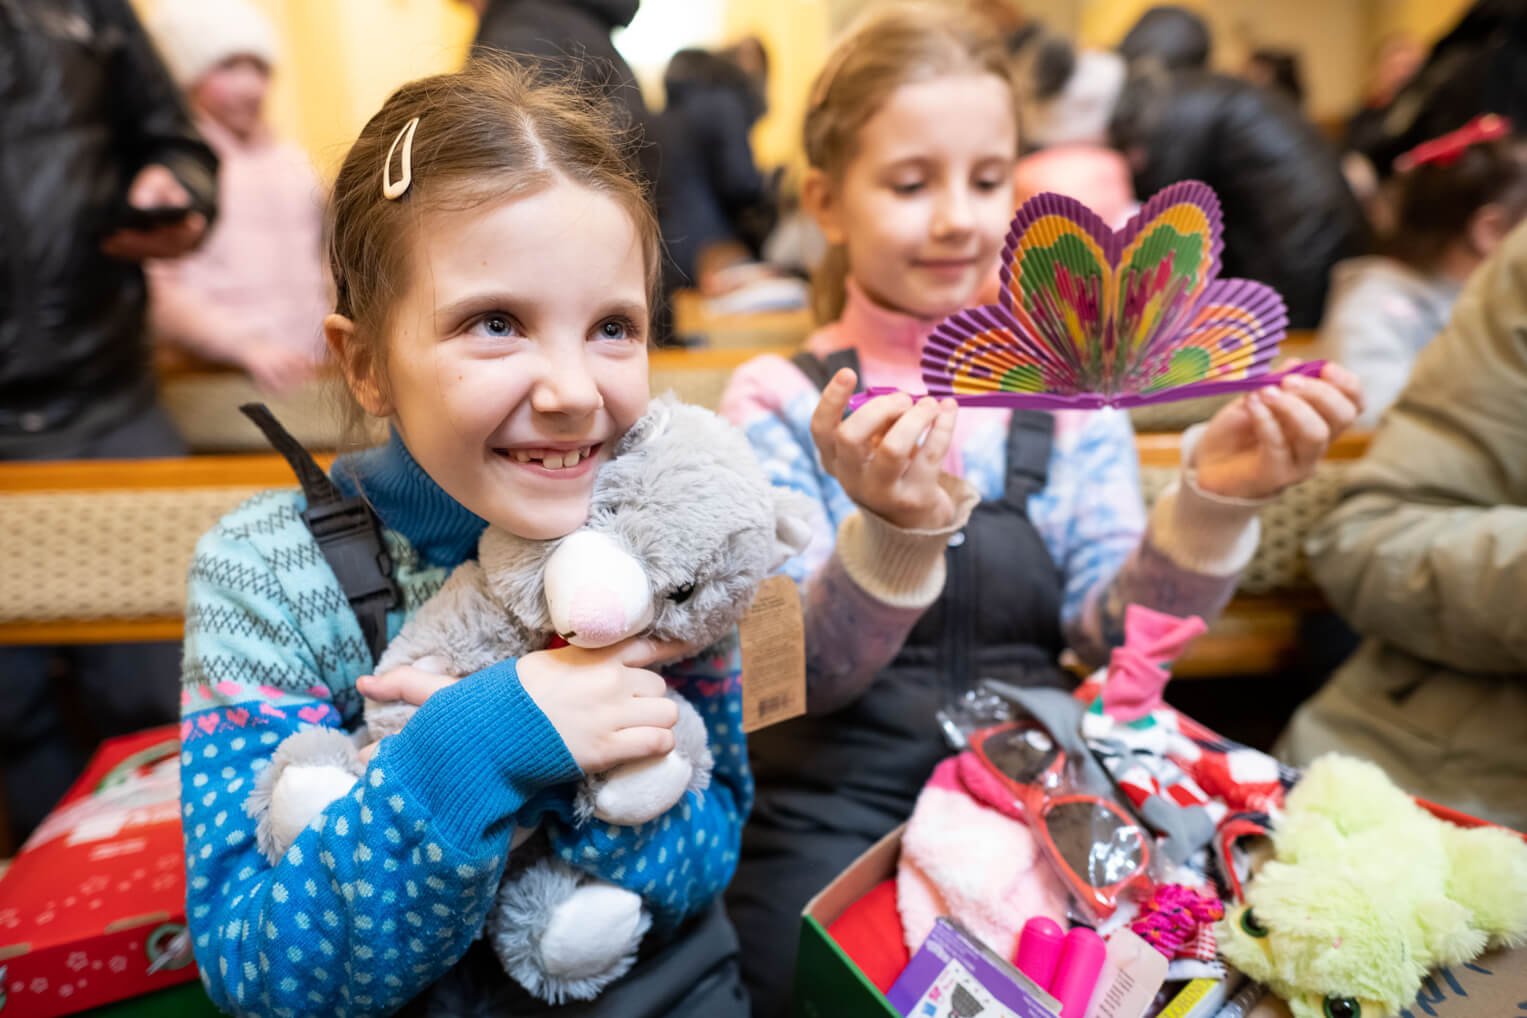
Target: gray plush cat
[683,526]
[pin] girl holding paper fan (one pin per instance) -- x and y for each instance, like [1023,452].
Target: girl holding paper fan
[951,546]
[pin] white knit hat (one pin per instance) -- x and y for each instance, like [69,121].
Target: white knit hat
[1080,112]
[195,36]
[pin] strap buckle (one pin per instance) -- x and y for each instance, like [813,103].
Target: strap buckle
[347,532]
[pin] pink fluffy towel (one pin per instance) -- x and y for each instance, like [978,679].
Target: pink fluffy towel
[972,863]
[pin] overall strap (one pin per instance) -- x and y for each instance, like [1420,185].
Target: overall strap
[821,369]
[1029,438]
[347,531]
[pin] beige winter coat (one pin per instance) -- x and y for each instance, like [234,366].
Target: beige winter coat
[1426,556]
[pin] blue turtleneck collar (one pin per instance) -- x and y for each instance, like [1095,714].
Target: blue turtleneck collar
[409,501]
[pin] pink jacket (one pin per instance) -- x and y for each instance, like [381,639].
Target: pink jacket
[259,276]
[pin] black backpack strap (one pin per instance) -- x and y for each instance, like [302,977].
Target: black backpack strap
[1029,438]
[347,531]
[821,369]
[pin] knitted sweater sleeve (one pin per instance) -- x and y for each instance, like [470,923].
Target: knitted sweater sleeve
[388,886]
[683,860]
[1183,559]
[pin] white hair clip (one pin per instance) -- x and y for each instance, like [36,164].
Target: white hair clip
[394,189]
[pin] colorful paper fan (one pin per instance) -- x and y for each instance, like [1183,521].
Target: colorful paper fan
[1090,318]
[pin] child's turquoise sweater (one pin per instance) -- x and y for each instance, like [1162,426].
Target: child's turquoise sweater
[388,887]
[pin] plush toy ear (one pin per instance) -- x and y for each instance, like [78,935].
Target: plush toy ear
[792,525]
[652,424]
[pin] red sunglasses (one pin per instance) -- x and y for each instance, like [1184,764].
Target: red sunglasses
[1098,849]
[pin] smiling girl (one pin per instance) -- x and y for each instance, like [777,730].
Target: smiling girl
[495,264]
[951,547]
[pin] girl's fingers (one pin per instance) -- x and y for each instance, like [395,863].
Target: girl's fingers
[649,712]
[900,442]
[1269,435]
[640,683]
[1345,380]
[1328,400]
[638,743]
[643,652]
[1305,431]
[941,437]
[829,412]
[865,427]
[408,684]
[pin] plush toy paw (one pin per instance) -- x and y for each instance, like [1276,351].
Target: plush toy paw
[563,935]
[310,769]
[637,792]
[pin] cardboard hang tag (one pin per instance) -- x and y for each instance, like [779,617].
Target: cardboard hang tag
[773,656]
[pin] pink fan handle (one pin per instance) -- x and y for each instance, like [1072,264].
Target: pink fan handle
[1095,400]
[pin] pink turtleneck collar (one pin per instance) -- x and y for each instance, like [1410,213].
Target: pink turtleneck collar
[890,343]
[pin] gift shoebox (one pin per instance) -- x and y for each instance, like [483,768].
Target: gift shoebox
[829,984]
[92,910]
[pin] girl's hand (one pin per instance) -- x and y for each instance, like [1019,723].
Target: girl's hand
[606,704]
[409,684]
[1273,437]
[888,454]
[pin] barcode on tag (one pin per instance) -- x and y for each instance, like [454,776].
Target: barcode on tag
[773,656]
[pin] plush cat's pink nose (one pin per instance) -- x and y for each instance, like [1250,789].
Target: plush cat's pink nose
[597,618]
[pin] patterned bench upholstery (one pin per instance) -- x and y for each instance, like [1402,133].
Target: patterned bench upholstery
[99,550]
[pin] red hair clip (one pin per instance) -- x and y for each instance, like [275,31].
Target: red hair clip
[1448,149]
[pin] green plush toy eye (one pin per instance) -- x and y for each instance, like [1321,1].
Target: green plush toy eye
[1343,1007]
[1254,927]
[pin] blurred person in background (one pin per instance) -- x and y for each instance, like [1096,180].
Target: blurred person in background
[1289,213]
[1459,198]
[711,193]
[1277,70]
[100,169]
[570,40]
[1175,37]
[1395,61]
[1066,98]
[254,294]
[1478,67]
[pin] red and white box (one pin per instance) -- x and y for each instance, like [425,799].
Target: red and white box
[92,910]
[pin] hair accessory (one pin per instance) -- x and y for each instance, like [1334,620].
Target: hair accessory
[394,189]
[1448,149]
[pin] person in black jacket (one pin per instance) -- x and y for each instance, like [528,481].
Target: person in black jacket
[92,125]
[1288,211]
[709,181]
[569,39]
[1175,37]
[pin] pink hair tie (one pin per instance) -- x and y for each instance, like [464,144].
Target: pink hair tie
[1448,149]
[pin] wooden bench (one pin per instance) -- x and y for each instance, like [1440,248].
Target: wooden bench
[97,551]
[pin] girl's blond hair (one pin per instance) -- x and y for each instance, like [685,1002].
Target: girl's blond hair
[887,48]
[484,134]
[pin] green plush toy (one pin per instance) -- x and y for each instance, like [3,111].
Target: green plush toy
[1367,893]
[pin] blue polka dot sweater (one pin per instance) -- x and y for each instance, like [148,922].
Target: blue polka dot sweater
[388,887]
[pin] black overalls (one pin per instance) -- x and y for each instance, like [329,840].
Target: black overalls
[830,786]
